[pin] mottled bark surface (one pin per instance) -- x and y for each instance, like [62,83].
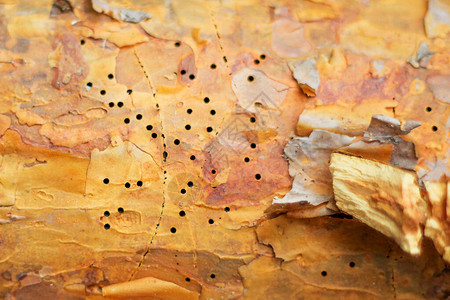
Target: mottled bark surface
[181,149]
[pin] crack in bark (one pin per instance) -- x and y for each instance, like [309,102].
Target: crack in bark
[162,167]
[153,159]
[216,29]
[394,289]
[85,179]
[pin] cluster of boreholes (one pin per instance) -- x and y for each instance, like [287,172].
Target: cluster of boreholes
[189,110]
[182,214]
[183,72]
[212,275]
[214,66]
[210,129]
[120,104]
[325,273]
[206,100]
[102,92]
[183,191]
[107,214]
[434,127]
[427,109]
[250,78]
[139,183]
[173,230]
[190,184]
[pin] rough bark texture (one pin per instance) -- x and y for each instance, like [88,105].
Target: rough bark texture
[148,149]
